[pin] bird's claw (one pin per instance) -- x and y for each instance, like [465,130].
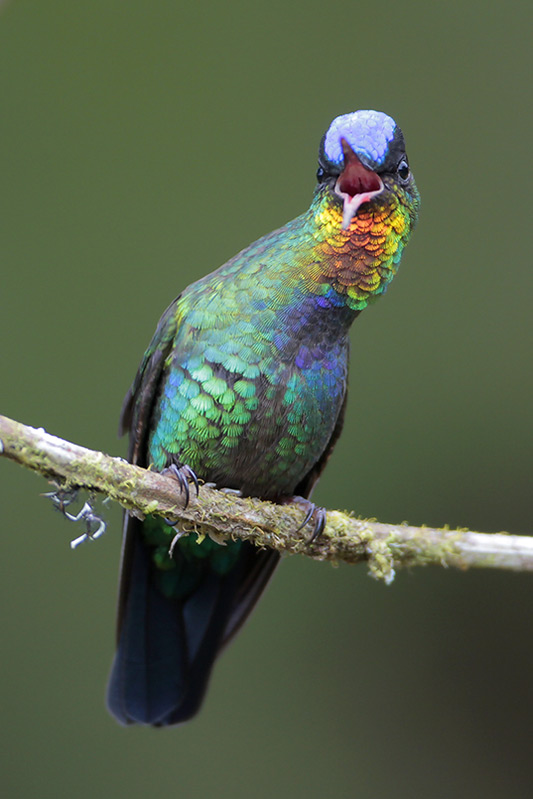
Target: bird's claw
[314,513]
[62,498]
[183,474]
[87,515]
[174,541]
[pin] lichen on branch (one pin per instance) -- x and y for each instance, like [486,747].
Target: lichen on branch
[385,547]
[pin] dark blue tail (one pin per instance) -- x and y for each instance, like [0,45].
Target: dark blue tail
[166,647]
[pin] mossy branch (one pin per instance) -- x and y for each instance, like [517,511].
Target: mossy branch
[384,547]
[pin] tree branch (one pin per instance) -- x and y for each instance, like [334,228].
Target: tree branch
[220,515]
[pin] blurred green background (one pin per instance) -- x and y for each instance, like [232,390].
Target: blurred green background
[142,144]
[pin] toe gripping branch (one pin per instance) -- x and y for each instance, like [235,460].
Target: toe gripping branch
[314,514]
[183,475]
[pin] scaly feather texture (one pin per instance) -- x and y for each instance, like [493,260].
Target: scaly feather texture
[244,383]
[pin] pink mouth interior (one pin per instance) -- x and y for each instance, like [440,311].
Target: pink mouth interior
[355,177]
[356,184]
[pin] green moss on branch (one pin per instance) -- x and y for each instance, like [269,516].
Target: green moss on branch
[346,539]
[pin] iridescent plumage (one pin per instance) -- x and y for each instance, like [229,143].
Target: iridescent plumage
[245,383]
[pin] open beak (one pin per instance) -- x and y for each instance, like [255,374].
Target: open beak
[356,184]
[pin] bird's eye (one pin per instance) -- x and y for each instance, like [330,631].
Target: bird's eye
[320,174]
[403,170]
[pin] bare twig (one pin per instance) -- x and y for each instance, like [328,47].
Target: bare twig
[220,515]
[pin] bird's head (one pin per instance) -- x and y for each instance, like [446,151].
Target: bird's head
[362,160]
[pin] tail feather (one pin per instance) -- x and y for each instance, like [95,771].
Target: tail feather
[149,669]
[166,647]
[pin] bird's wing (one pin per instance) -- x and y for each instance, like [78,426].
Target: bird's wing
[139,401]
[134,418]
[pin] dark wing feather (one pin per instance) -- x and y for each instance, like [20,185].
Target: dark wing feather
[261,565]
[135,418]
[139,401]
[306,486]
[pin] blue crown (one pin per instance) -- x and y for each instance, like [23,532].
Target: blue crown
[367,132]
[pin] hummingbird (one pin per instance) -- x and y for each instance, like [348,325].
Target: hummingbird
[244,386]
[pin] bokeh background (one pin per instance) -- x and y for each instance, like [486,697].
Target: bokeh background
[141,145]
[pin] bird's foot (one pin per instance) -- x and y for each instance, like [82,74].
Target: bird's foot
[95,526]
[183,474]
[313,513]
[62,497]
[176,538]
[91,519]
